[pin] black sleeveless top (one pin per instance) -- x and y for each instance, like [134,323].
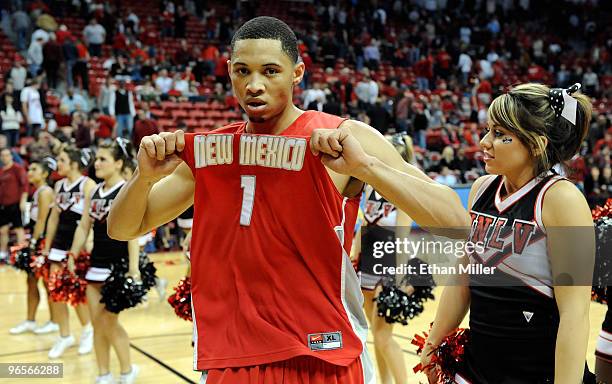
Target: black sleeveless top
[106,251]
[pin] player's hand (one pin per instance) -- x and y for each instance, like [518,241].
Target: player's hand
[340,151]
[158,154]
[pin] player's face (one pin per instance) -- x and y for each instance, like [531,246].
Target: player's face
[35,173]
[263,77]
[63,164]
[504,153]
[105,165]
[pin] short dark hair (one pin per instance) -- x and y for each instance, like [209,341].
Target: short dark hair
[266,27]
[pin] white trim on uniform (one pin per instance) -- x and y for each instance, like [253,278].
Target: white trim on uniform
[461,380]
[353,306]
[97,274]
[57,255]
[540,201]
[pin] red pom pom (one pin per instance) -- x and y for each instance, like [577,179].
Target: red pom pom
[65,287]
[602,211]
[447,356]
[81,264]
[181,299]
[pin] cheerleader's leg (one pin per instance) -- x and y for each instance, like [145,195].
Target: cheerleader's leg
[101,342]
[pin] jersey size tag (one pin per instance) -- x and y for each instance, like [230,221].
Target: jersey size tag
[325,341]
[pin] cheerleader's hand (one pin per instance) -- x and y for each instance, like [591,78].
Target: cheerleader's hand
[408,289]
[426,354]
[186,244]
[70,263]
[135,275]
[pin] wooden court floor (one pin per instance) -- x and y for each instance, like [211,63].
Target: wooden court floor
[161,342]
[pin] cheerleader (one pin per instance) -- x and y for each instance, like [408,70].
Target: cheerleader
[523,327]
[526,329]
[107,254]
[38,175]
[70,194]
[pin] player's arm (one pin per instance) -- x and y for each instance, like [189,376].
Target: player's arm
[45,199]
[82,231]
[571,248]
[161,189]
[358,150]
[455,299]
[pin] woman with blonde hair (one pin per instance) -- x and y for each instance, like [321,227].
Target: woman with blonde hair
[528,322]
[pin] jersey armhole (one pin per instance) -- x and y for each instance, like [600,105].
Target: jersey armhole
[537,208]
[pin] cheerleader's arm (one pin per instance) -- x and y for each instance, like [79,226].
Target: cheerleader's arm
[571,248]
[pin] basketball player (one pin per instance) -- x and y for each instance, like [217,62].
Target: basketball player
[526,330]
[38,175]
[107,254]
[70,194]
[275,299]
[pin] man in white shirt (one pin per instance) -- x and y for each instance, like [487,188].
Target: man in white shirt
[18,74]
[163,83]
[32,108]
[313,94]
[94,35]
[465,65]
[367,92]
[74,101]
[35,56]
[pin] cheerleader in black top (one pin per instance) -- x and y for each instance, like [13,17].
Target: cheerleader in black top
[527,324]
[70,194]
[106,255]
[38,175]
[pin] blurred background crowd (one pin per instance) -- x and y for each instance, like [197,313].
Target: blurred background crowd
[422,72]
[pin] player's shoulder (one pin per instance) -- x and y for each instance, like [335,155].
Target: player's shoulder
[316,119]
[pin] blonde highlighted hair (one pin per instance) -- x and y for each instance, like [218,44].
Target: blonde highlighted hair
[526,112]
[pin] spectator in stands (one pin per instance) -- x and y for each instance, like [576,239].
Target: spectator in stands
[80,67]
[31,107]
[17,75]
[123,110]
[94,35]
[423,71]
[163,83]
[313,94]
[35,56]
[13,197]
[210,54]
[379,116]
[40,147]
[104,125]
[420,123]
[332,105]
[371,54]
[52,58]
[465,67]
[39,33]
[20,24]
[367,92]
[446,177]
[147,92]
[11,120]
[590,82]
[221,74]
[144,126]
[74,101]
[81,131]
[104,95]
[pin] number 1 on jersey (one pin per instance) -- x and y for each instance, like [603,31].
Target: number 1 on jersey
[247,183]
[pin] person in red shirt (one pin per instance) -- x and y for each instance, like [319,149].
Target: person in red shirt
[144,126]
[274,296]
[13,198]
[105,125]
[221,69]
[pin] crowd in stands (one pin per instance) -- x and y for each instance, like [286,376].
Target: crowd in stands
[422,71]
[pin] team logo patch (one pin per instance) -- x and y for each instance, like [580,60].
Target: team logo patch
[325,341]
[528,315]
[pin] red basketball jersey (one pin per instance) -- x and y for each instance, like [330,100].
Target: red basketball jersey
[271,277]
